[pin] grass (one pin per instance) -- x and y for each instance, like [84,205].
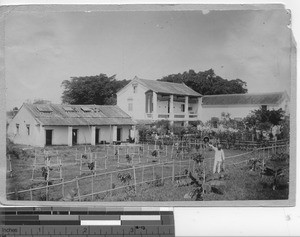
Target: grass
[241,182]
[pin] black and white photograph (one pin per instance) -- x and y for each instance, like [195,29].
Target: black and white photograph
[176,104]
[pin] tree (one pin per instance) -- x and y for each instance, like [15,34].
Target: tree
[264,120]
[99,89]
[208,83]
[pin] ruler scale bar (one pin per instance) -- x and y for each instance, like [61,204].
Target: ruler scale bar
[98,221]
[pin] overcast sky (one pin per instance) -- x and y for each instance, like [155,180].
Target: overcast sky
[43,49]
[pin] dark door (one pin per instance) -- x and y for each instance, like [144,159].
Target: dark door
[48,137]
[74,136]
[97,136]
[119,130]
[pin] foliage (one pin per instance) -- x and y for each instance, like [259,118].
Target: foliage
[99,89]
[16,151]
[285,129]
[157,182]
[128,158]
[125,178]
[264,119]
[197,157]
[208,83]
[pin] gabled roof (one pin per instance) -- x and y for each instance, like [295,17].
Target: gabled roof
[273,98]
[167,87]
[78,115]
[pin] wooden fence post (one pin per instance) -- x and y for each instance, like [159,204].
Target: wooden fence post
[143,167]
[111,184]
[92,187]
[30,190]
[134,178]
[78,189]
[162,172]
[153,172]
[63,188]
[173,171]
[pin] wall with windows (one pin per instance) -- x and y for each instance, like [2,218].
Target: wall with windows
[132,100]
[27,131]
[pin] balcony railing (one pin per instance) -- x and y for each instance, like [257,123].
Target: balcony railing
[149,115]
[176,116]
[163,116]
[179,115]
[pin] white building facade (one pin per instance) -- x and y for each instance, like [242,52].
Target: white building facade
[147,101]
[40,125]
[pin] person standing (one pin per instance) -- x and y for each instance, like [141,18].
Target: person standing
[219,158]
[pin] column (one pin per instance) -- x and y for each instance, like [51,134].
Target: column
[114,133]
[42,138]
[199,108]
[154,112]
[171,115]
[93,135]
[70,136]
[186,111]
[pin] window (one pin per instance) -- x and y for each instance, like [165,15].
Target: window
[44,109]
[264,107]
[182,107]
[86,109]
[134,86]
[68,109]
[190,108]
[130,107]
[28,129]
[18,128]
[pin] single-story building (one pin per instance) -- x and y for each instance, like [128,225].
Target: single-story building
[55,124]
[241,105]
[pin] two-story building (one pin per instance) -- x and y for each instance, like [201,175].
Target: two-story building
[148,100]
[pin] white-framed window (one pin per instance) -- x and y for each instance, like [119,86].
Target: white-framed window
[28,129]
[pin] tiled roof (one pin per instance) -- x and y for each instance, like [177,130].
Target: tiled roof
[78,115]
[167,87]
[274,98]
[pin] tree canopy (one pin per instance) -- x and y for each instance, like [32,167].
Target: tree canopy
[99,89]
[208,83]
[264,119]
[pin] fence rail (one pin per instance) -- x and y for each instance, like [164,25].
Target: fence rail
[107,182]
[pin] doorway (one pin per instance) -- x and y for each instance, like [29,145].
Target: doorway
[119,133]
[48,137]
[97,136]
[74,136]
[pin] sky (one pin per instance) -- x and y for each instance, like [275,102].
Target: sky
[44,48]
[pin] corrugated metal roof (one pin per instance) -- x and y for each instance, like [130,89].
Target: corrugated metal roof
[167,87]
[97,115]
[274,98]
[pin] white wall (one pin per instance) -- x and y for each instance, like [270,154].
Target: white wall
[138,100]
[23,118]
[162,107]
[59,134]
[207,112]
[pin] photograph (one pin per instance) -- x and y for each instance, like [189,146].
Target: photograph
[183,104]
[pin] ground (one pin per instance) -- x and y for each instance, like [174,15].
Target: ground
[240,182]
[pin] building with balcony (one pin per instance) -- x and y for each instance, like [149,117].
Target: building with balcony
[148,100]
